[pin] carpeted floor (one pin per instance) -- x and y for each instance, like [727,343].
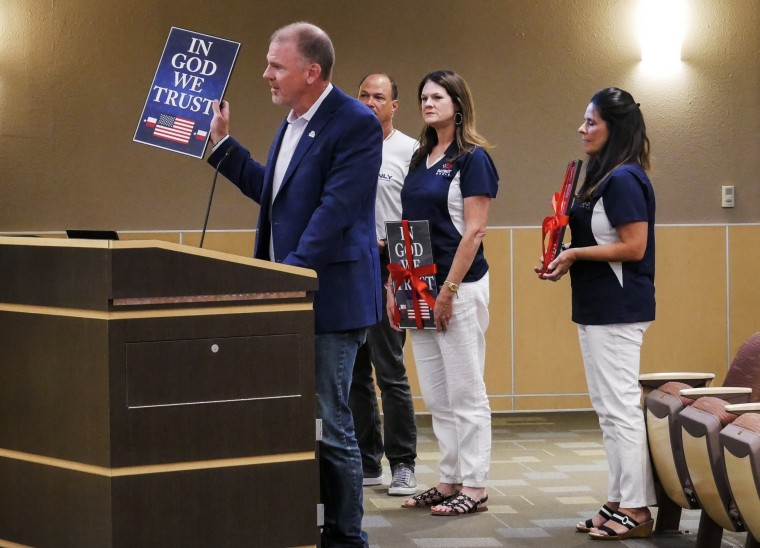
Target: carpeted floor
[548,470]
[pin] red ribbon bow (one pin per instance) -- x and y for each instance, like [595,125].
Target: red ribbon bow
[553,223]
[552,226]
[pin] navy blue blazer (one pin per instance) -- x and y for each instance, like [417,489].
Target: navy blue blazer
[323,216]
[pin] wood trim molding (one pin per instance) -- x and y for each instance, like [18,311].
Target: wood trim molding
[155,468]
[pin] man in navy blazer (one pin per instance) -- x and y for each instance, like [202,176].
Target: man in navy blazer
[317,195]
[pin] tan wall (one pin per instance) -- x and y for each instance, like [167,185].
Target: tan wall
[74,75]
[707,302]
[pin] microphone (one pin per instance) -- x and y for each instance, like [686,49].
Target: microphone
[230,150]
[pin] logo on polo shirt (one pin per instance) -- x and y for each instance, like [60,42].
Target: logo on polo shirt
[445,170]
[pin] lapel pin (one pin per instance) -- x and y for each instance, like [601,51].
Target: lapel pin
[312,134]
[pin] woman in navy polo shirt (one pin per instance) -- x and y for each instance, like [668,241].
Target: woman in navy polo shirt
[451,183]
[611,264]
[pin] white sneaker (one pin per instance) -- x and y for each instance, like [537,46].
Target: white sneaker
[403,482]
[373,480]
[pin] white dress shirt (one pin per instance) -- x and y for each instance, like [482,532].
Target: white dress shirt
[293,133]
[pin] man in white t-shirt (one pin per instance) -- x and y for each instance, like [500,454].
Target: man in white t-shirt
[385,346]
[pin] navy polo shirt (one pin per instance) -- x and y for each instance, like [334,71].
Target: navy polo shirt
[437,194]
[614,292]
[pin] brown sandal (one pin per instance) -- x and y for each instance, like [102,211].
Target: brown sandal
[431,497]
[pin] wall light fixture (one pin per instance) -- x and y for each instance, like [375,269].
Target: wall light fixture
[661,30]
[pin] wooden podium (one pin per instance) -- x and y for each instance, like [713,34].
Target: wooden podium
[153,394]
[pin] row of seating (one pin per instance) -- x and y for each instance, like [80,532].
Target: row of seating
[705,447]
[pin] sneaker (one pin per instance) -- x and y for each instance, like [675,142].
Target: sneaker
[373,479]
[403,482]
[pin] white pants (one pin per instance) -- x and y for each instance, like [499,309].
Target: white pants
[611,357]
[450,368]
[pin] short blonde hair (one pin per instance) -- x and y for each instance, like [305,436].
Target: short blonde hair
[312,43]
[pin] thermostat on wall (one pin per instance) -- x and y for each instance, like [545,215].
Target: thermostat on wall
[727,196]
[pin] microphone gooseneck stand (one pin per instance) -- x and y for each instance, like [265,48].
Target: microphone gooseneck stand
[211,195]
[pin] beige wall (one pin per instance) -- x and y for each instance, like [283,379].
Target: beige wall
[707,302]
[74,75]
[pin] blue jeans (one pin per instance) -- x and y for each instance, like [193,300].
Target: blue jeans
[340,464]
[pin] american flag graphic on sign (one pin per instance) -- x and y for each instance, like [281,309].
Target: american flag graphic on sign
[174,128]
[409,309]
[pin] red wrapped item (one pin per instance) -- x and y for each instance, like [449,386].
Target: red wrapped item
[554,226]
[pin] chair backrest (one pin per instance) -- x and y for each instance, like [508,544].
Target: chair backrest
[745,369]
[741,450]
[674,389]
[750,422]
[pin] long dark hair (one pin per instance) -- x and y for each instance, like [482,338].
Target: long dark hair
[465,134]
[627,141]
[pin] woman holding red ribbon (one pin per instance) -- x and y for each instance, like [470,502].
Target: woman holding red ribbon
[451,183]
[611,264]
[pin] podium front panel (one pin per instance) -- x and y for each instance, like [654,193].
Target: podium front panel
[154,395]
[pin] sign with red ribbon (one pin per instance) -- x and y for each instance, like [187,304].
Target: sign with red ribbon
[412,273]
[554,226]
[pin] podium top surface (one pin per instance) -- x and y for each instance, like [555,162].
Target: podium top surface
[100,274]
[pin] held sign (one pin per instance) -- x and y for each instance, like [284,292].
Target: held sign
[193,71]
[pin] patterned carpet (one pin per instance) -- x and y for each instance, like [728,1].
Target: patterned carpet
[548,470]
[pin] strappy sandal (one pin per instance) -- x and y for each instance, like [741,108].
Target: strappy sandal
[462,504]
[635,529]
[431,497]
[605,511]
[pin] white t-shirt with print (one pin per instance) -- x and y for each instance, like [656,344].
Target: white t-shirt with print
[397,152]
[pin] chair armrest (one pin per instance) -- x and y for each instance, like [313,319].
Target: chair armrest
[655,380]
[731,394]
[741,408]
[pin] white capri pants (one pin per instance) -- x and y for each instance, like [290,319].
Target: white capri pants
[611,357]
[450,368]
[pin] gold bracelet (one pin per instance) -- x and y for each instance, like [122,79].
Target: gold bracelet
[452,286]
